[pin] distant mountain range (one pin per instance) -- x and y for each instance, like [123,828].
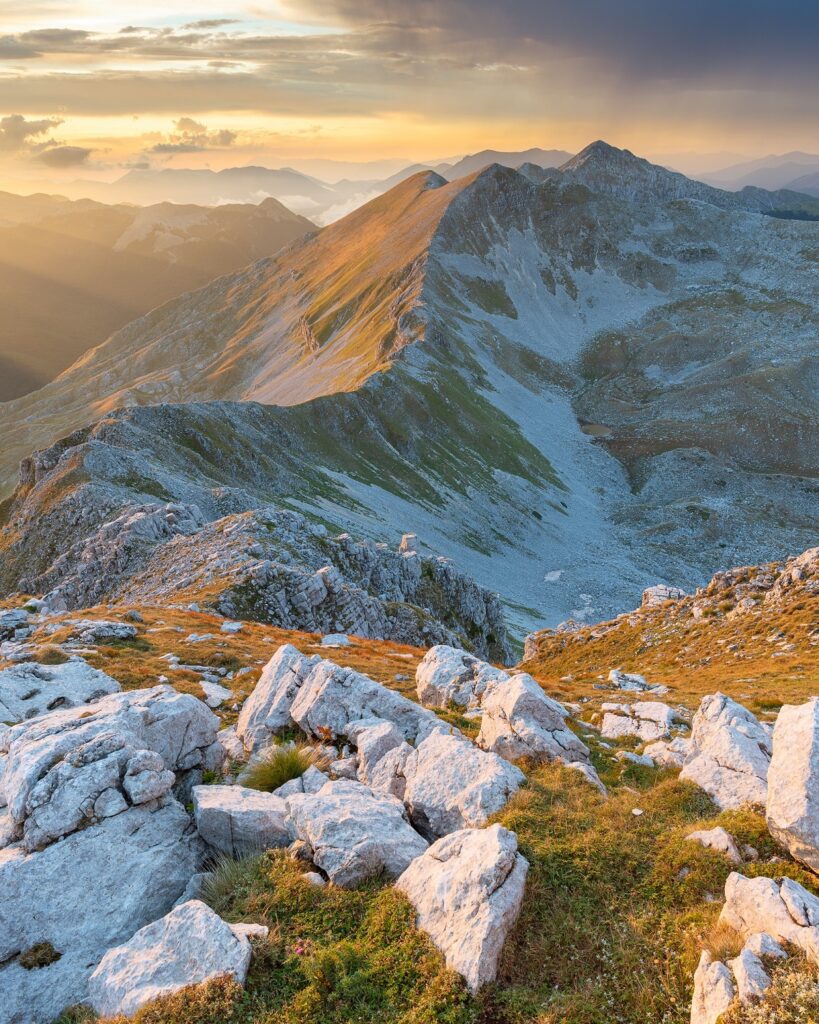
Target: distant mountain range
[796,171]
[74,272]
[574,382]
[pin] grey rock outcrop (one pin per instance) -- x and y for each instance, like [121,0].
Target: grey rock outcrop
[729,753]
[266,711]
[782,908]
[520,720]
[713,990]
[189,946]
[29,689]
[448,675]
[647,720]
[240,822]
[90,891]
[467,890]
[793,782]
[353,833]
[451,784]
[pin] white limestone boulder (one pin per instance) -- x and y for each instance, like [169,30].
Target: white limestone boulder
[713,990]
[189,946]
[627,680]
[717,839]
[519,720]
[29,689]
[354,833]
[373,743]
[645,719]
[448,675]
[83,895]
[668,753]
[793,782]
[451,784]
[72,767]
[467,890]
[240,822]
[729,753]
[266,711]
[751,978]
[654,597]
[98,631]
[782,908]
[332,699]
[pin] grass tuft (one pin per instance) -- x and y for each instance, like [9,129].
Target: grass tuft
[277,766]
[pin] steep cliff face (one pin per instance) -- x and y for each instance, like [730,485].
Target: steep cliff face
[570,383]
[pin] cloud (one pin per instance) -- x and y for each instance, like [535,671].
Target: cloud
[206,23]
[64,156]
[12,48]
[190,136]
[17,133]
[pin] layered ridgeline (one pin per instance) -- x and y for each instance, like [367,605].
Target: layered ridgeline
[73,272]
[572,382]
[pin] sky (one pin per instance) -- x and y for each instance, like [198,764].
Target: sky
[91,89]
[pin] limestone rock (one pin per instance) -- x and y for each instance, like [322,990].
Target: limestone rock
[267,710]
[519,720]
[729,753]
[713,990]
[240,822]
[668,753]
[764,944]
[647,720]
[29,689]
[451,784]
[467,890]
[98,631]
[793,782]
[60,764]
[188,946]
[84,895]
[717,839]
[373,743]
[752,980]
[659,594]
[448,675]
[781,907]
[332,698]
[589,773]
[627,680]
[355,834]
[215,695]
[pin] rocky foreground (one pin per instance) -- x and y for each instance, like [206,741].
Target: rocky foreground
[165,816]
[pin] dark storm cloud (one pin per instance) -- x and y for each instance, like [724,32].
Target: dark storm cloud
[642,38]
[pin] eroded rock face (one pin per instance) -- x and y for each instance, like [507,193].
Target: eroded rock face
[90,891]
[729,753]
[467,890]
[659,594]
[451,784]
[73,767]
[332,698]
[519,720]
[354,833]
[669,753]
[449,675]
[188,946]
[240,822]
[782,908]
[713,990]
[793,782]
[267,710]
[30,689]
[647,720]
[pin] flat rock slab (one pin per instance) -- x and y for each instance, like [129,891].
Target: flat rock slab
[467,890]
[30,689]
[647,720]
[188,946]
[240,822]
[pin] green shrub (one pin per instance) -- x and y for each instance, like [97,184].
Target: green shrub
[277,766]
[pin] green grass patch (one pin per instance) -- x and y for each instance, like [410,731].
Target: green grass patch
[277,766]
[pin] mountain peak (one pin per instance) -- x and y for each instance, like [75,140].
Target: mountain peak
[602,154]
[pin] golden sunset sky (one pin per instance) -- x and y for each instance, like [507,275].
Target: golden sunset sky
[90,89]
